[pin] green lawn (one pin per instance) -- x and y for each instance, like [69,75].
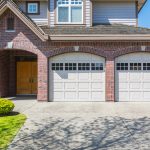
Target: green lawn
[9,126]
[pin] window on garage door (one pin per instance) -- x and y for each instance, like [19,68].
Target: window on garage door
[135,66]
[81,66]
[70,66]
[57,66]
[146,66]
[122,66]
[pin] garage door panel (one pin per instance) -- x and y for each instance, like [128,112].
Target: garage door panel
[58,95]
[84,76]
[82,85]
[71,76]
[133,83]
[123,85]
[146,85]
[123,77]
[134,76]
[135,95]
[58,76]
[146,77]
[81,77]
[97,76]
[70,95]
[146,95]
[97,86]
[123,96]
[70,85]
[58,86]
[97,95]
[83,95]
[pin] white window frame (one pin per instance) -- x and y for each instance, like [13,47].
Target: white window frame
[69,13]
[33,3]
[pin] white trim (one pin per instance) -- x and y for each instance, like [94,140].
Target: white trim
[69,13]
[10,30]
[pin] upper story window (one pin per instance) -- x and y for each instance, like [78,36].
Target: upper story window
[70,11]
[33,8]
[10,24]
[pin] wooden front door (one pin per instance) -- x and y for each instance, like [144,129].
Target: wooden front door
[27,77]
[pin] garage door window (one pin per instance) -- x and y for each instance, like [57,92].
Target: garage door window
[57,66]
[146,66]
[122,66]
[96,66]
[135,66]
[70,66]
[83,66]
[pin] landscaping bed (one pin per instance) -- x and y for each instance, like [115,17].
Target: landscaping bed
[10,122]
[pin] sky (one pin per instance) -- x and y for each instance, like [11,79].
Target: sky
[144,16]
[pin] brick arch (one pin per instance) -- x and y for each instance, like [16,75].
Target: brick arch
[63,50]
[129,50]
[22,50]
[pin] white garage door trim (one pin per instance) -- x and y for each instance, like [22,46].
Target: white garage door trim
[132,77]
[77,77]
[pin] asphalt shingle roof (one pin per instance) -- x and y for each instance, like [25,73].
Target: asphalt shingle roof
[97,29]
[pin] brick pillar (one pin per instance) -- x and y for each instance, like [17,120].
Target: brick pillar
[42,78]
[12,76]
[4,74]
[110,80]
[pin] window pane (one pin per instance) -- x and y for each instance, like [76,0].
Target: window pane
[63,14]
[76,14]
[32,8]
[10,24]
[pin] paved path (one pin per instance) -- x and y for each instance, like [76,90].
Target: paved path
[83,126]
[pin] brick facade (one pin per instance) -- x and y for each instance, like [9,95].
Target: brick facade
[26,42]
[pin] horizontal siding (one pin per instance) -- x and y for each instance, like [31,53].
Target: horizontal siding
[117,12]
[52,13]
[39,19]
[88,12]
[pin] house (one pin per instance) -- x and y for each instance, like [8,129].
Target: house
[144,16]
[74,50]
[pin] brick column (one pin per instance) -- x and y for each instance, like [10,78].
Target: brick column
[12,76]
[110,80]
[42,78]
[4,74]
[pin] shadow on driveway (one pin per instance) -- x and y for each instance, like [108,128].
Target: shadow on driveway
[77,133]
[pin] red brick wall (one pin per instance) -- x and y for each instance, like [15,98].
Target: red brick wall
[110,80]
[4,73]
[25,39]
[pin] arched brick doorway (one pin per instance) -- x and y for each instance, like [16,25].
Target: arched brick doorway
[18,73]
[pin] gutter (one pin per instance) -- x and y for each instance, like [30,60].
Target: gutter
[83,37]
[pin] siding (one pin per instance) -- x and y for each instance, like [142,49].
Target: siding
[117,12]
[39,19]
[88,16]
[52,13]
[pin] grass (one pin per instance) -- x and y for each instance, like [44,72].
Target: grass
[9,127]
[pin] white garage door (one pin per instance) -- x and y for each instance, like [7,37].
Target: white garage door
[77,77]
[133,77]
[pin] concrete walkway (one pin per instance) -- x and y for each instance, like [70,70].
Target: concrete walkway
[83,126]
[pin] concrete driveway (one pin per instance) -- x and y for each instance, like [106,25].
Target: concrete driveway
[83,126]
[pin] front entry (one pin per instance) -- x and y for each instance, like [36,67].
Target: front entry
[26,77]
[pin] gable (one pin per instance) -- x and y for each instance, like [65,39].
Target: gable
[9,4]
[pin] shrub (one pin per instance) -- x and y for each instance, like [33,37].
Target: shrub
[6,106]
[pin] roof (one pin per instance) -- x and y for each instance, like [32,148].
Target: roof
[97,29]
[9,4]
[141,3]
[97,32]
